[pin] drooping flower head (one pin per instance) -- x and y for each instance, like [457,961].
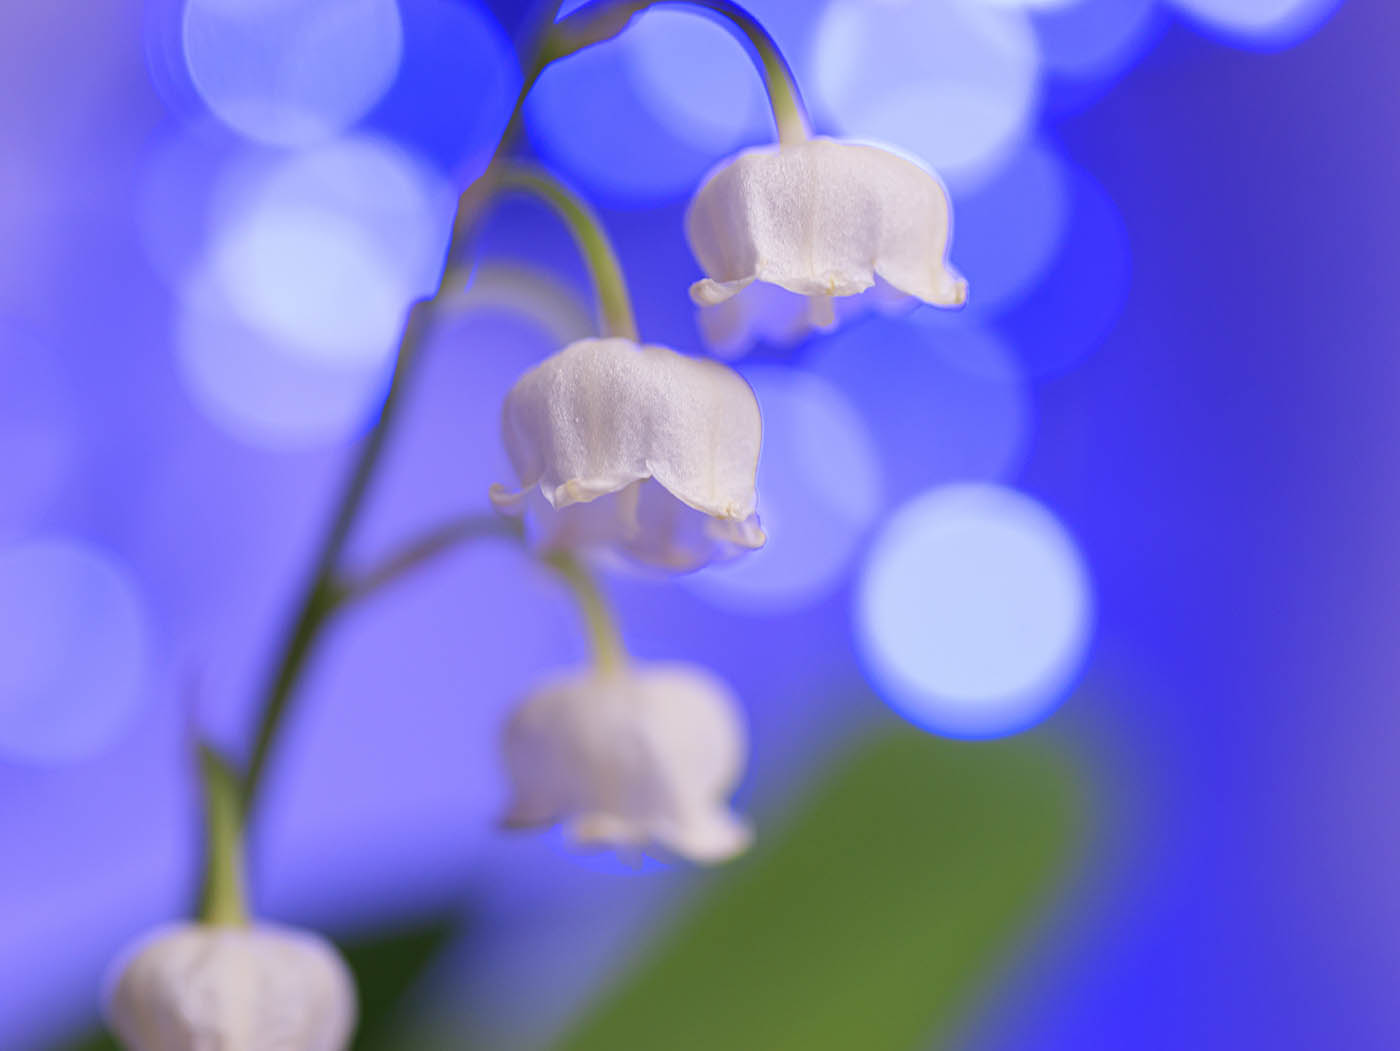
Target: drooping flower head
[634,756]
[782,231]
[635,449]
[194,987]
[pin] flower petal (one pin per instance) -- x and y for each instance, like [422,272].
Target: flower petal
[236,989]
[822,218]
[645,756]
[771,314]
[636,447]
[707,837]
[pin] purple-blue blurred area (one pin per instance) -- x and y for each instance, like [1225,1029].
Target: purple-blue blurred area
[1162,430]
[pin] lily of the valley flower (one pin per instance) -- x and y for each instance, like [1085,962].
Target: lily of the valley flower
[635,449]
[197,987]
[632,756]
[820,220]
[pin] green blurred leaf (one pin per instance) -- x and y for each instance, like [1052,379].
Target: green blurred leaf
[99,1041]
[386,969]
[873,917]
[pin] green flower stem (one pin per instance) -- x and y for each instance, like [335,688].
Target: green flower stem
[427,547]
[605,640]
[223,901]
[606,18]
[322,594]
[320,597]
[789,112]
[614,302]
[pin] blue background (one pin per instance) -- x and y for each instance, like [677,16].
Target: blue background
[1207,400]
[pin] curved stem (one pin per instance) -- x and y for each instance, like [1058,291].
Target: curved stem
[426,547]
[614,302]
[320,597]
[789,111]
[603,636]
[223,901]
[322,593]
[606,18]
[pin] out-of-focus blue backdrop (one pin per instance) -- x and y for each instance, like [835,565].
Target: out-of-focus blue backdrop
[1168,409]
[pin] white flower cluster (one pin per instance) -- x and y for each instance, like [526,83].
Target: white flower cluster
[635,452]
[627,452]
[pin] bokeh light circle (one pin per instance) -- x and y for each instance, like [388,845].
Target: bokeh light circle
[820,486]
[1095,39]
[943,403]
[401,203]
[77,643]
[525,293]
[39,426]
[586,117]
[179,179]
[291,72]
[642,118]
[696,80]
[288,326]
[954,81]
[455,88]
[1076,303]
[1033,5]
[974,611]
[287,272]
[263,390]
[1267,23]
[1009,230]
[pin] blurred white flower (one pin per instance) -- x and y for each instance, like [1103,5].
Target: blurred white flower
[630,757]
[194,987]
[635,449]
[821,220]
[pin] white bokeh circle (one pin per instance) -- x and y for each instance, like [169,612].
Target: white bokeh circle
[695,79]
[77,641]
[291,72]
[955,82]
[1270,23]
[974,611]
[287,326]
[820,485]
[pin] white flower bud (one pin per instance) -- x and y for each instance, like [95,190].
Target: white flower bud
[636,449]
[819,219]
[193,987]
[646,754]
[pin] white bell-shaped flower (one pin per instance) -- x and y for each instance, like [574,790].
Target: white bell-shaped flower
[195,987]
[635,449]
[782,231]
[630,757]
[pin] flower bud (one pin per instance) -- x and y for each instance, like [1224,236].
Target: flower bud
[194,987]
[637,756]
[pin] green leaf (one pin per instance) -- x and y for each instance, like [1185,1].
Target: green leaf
[873,917]
[387,968]
[96,1041]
